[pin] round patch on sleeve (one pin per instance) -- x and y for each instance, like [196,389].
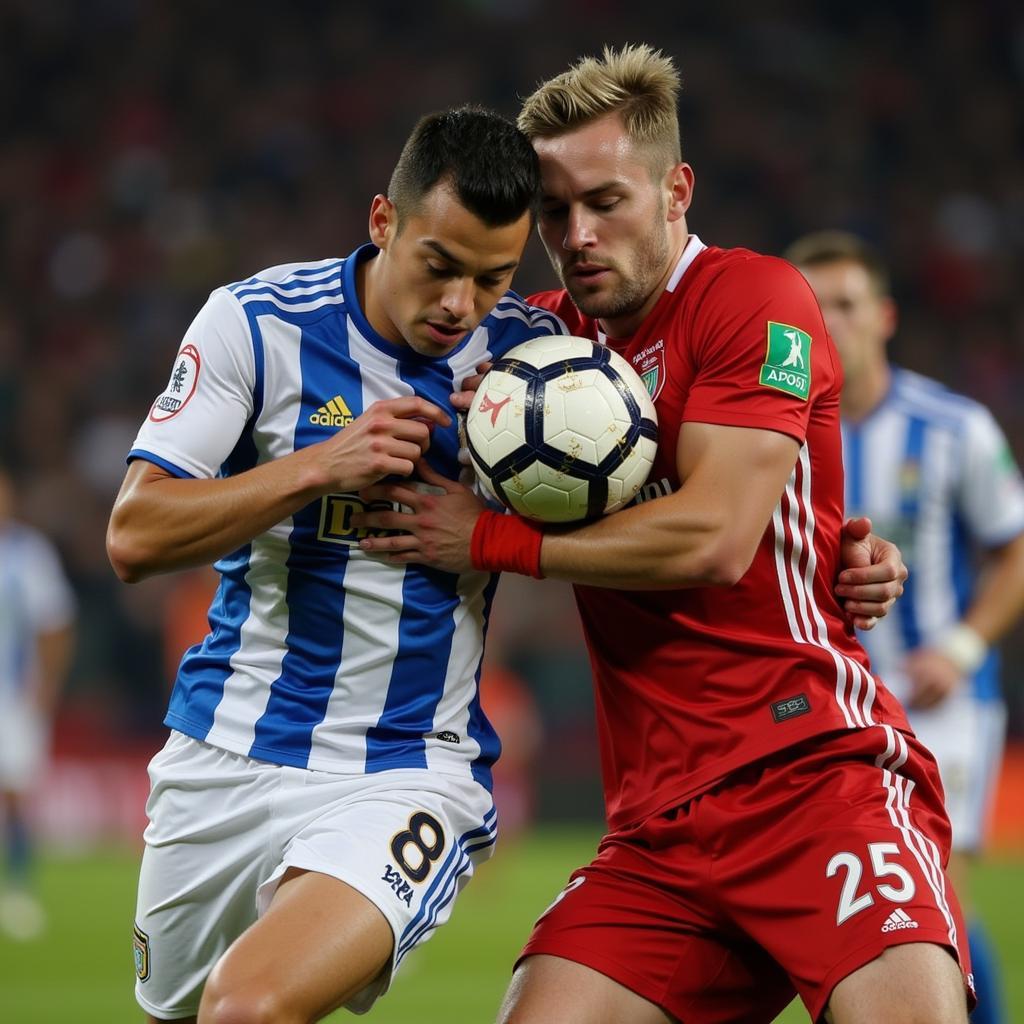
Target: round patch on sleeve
[180,388]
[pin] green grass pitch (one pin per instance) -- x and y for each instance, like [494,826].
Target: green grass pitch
[82,969]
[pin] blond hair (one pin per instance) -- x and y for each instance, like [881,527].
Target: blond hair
[638,83]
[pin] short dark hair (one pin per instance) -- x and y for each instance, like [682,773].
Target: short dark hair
[823,247]
[486,159]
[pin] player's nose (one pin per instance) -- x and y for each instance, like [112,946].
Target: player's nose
[458,298]
[579,231]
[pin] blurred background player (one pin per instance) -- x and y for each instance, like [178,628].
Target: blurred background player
[36,614]
[935,473]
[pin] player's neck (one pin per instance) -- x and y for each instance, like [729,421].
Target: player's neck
[367,290]
[625,326]
[863,392]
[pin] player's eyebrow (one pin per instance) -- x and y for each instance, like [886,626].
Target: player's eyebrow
[456,262]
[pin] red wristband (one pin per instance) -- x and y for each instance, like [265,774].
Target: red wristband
[504,543]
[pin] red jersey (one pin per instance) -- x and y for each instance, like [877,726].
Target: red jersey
[692,684]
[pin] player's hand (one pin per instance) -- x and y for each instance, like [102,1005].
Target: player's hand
[871,573]
[437,528]
[932,675]
[463,398]
[386,440]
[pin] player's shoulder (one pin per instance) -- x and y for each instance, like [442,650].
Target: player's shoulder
[931,400]
[743,271]
[291,286]
[514,314]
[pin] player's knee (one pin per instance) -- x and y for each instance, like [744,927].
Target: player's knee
[252,1004]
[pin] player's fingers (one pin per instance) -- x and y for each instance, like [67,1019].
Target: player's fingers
[865,622]
[870,591]
[873,581]
[390,544]
[857,527]
[430,476]
[393,494]
[409,406]
[382,519]
[871,609]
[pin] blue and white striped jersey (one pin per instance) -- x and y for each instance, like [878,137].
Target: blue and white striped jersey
[320,655]
[35,598]
[935,474]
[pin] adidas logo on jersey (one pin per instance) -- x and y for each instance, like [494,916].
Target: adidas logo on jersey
[898,920]
[334,413]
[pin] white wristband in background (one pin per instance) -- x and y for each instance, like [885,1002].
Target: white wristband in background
[965,647]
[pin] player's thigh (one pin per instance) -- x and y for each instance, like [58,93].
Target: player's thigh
[319,944]
[208,847]
[835,855]
[548,988]
[643,915]
[407,840]
[918,983]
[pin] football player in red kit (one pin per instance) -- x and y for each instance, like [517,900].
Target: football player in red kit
[774,825]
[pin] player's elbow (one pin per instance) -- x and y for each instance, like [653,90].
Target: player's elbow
[127,556]
[724,560]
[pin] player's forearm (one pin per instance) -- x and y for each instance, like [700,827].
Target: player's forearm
[162,523]
[999,601]
[663,544]
[54,655]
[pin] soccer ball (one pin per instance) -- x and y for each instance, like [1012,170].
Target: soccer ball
[562,429]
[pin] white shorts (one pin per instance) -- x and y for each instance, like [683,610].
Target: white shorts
[966,736]
[24,745]
[224,829]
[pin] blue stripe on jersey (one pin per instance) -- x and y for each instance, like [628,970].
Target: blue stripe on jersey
[244,455]
[273,291]
[425,632]
[141,453]
[445,884]
[909,512]
[479,727]
[853,466]
[205,669]
[424,641]
[315,594]
[300,273]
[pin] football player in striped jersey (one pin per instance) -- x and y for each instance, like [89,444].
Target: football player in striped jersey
[326,788]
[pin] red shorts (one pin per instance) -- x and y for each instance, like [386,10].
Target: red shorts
[781,880]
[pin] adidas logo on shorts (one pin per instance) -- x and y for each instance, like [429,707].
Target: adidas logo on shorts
[898,920]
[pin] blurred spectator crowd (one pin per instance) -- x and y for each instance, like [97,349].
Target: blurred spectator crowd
[154,150]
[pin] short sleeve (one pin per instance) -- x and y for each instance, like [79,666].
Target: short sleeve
[991,495]
[760,350]
[49,600]
[196,421]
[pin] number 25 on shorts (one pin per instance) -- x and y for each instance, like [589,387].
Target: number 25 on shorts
[851,899]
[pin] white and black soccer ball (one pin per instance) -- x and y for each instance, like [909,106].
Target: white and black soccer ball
[561,429]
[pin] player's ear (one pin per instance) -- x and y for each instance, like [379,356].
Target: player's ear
[890,317]
[680,191]
[383,221]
